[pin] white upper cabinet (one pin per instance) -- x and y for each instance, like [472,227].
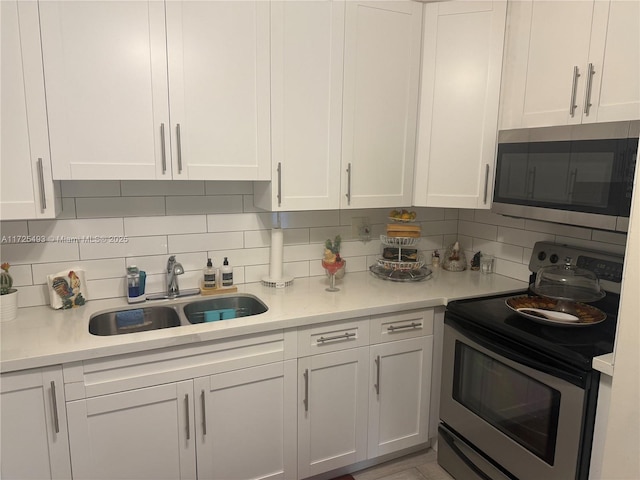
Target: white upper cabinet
[460,90]
[106,82]
[615,56]
[218,55]
[307,44]
[571,62]
[27,190]
[381,79]
[129,98]
[344,104]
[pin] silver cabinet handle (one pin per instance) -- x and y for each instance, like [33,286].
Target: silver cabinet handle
[306,390]
[377,385]
[54,404]
[486,183]
[279,184]
[393,328]
[43,195]
[349,184]
[344,336]
[574,87]
[186,407]
[179,145]
[163,149]
[204,413]
[587,96]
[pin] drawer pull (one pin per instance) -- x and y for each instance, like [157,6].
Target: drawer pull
[344,336]
[393,328]
[54,402]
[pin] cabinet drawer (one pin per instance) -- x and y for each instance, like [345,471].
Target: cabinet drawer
[334,336]
[397,326]
[125,372]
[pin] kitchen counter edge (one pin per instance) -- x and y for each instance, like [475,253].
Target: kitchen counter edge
[41,336]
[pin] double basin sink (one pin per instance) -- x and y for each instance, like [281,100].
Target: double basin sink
[154,317]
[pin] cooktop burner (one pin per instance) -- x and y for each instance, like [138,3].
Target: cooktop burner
[574,345]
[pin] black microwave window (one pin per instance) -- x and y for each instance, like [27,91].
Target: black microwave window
[581,175]
[519,406]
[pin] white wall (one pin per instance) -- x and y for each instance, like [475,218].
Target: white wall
[621,458]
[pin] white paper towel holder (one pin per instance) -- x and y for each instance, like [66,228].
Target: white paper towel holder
[277,282]
[276,279]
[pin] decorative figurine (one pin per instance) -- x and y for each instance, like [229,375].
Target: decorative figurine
[454,258]
[475,261]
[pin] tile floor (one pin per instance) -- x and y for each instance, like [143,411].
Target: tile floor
[417,466]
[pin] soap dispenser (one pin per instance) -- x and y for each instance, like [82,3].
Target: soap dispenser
[226,272]
[209,280]
[135,284]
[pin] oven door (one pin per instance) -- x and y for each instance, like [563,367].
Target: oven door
[524,419]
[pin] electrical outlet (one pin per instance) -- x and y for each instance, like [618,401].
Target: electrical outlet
[361,228]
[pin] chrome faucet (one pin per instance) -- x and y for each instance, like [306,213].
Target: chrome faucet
[173,270]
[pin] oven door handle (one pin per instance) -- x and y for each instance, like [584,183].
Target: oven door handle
[520,358]
[467,461]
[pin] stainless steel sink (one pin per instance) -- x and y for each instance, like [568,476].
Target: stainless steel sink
[152,318]
[242,306]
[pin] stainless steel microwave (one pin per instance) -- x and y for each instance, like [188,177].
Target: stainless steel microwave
[577,175]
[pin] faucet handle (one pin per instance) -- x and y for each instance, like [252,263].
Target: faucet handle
[170,263]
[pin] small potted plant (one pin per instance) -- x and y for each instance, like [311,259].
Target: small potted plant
[8,295]
[332,262]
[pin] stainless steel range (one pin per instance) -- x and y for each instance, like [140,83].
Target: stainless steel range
[518,397]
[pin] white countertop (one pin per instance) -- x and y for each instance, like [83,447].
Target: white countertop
[41,336]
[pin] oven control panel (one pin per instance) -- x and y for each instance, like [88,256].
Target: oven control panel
[607,266]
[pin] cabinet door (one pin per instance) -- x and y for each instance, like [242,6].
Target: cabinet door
[460,91]
[146,433]
[615,59]
[219,89]
[246,421]
[106,84]
[27,189]
[34,443]
[307,44]
[332,413]
[382,69]
[399,394]
[545,64]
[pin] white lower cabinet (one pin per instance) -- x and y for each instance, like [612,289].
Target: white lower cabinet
[359,402]
[399,396]
[332,418]
[340,393]
[246,423]
[33,443]
[222,409]
[146,434]
[233,425]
